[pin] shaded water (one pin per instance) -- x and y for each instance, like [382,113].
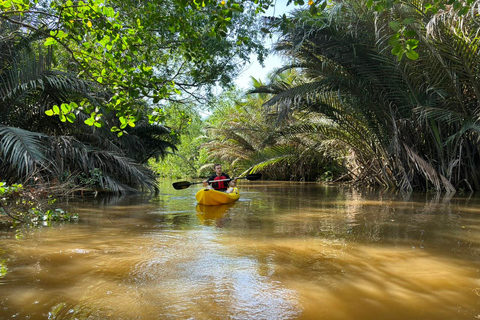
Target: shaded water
[283,251]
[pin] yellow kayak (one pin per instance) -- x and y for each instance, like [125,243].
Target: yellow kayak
[210,197]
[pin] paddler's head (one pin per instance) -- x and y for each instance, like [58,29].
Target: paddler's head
[218,169]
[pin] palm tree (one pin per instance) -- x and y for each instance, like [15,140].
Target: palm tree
[37,148]
[243,135]
[408,124]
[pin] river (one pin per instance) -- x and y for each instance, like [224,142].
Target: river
[285,250]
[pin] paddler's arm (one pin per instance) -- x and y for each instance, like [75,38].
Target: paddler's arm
[233,182]
[206,181]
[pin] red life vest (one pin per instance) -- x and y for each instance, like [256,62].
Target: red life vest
[221,185]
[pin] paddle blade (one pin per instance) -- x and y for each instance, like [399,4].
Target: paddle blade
[181,185]
[252,177]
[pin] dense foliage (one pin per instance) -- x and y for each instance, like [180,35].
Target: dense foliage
[77,75]
[189,157]
[245,138]
[38,149]
[408,124]
[23,205]
[141,49]
[108,69]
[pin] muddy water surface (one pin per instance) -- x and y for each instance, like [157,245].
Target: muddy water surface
[283,251]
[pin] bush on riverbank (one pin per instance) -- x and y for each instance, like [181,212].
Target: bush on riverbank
[31,206]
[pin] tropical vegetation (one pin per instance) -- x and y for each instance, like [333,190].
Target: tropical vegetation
[379,93]
[155,50]
[27,206]
[77,76]
[38,149]
[241,135]
[86,86]
[402,123]
[189,157]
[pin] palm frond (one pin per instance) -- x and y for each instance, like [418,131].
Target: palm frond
[23,150]
[122,171]
[438,181]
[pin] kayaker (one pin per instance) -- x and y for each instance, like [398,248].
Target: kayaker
[224,186]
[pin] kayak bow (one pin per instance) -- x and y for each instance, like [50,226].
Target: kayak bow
[211,197]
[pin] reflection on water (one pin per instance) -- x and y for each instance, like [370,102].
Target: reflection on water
[212,215]
[283,251]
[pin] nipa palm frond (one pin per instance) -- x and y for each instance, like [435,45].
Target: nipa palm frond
[23,150]
[122,171]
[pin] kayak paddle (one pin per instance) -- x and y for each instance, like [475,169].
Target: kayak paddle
[185,184]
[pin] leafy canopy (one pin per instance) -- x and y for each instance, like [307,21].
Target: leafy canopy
[142,49]
[160,50]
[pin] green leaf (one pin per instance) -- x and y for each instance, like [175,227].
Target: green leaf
[394,40]
[412,54]
[108,11]
[379,7]
[395,25]
[6,4]
[398,50]
[411,43]
[56,109]
[410,33]
[61,34]
[463,11]
[71,117]
[49,112]
[65,108]
[89,121]
[49,41]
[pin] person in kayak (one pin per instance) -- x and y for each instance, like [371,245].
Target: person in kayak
[225,186]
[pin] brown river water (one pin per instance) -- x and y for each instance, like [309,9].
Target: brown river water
[283,251]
